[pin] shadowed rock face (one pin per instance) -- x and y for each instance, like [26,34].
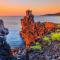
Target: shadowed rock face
[4,46]
[3,31]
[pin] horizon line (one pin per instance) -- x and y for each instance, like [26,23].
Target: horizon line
[24,15]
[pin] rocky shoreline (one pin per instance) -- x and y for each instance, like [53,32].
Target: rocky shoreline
[50,49]
[51,52]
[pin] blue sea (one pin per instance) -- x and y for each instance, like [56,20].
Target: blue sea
[13,23]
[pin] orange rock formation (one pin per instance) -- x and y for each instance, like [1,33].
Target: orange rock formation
[32,30]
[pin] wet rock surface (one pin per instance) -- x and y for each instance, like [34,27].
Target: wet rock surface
[48,53]
[51,52]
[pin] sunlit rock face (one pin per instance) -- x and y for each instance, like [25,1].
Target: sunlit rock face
[32,30]
[28,27]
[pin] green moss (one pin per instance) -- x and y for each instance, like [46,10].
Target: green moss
[55,36]
[46,38]
[36,46]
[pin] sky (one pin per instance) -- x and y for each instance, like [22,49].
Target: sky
[38,7]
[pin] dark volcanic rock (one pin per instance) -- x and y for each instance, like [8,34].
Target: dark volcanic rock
[52,52]
[4,46]
[48,53]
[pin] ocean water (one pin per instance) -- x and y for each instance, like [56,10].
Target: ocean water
[13,24]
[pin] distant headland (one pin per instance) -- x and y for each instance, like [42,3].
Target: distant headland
[56,14]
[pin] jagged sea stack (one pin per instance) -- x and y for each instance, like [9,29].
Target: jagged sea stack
[27,28]
[32,31]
